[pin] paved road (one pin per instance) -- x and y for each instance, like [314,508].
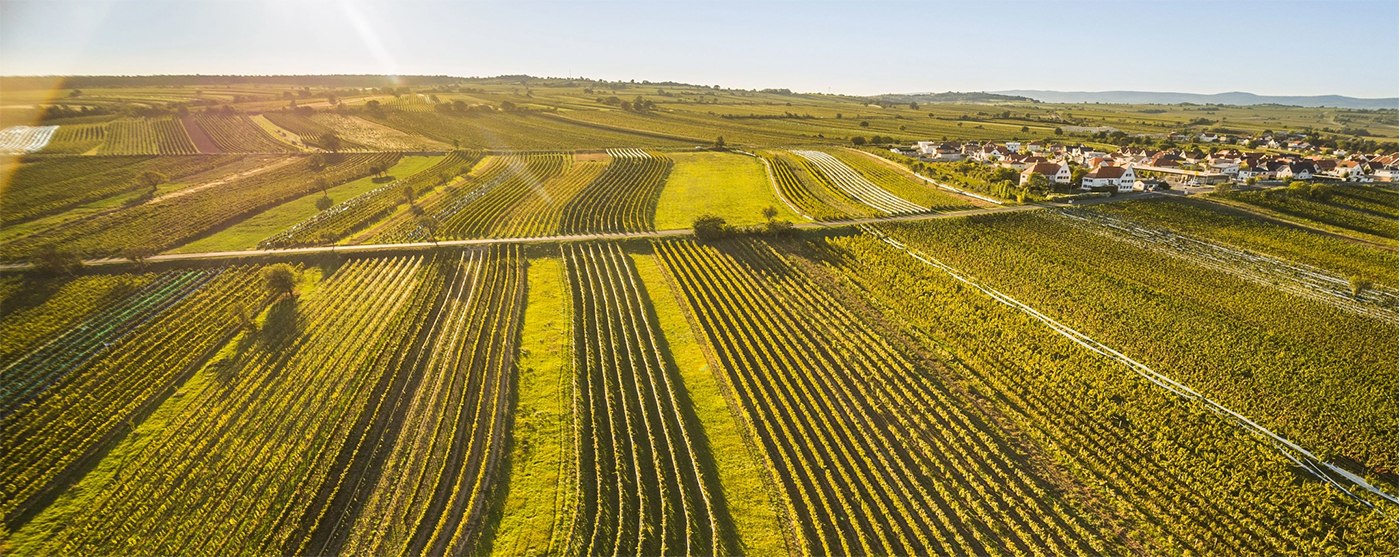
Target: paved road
[369,248]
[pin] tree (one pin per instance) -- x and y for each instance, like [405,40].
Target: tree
[54,260]
[324,202]
[1059,131]
[858,140]
[150,179]
[719,142]
[1076,177]
[332,141]
[137,254]
[1038,182]
[1358,285]
[709,227]
[507,106]
[429,225]
[1025,128]
[913,106]
[864,124]
[322,184]
[279,279]
[769,213]
[1224,187]
[456,143]
[408,194]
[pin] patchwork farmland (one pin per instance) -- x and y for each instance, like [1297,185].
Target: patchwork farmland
[533,317]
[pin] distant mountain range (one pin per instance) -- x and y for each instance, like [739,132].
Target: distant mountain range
[949,97]
[1234,98]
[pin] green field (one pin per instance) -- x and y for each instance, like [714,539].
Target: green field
[731,186]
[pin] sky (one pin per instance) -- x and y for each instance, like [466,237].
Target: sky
[860,48]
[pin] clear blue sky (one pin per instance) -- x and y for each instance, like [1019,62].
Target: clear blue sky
[1279,48]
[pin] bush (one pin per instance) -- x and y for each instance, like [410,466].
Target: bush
[710,228]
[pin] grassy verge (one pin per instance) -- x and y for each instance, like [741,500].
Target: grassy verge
[740,475]
[247,234]
[728,185]
[536,512]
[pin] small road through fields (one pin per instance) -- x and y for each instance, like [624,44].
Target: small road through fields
[370,248]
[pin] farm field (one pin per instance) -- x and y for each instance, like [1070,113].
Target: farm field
[478,316]
[251,232]
[734,187]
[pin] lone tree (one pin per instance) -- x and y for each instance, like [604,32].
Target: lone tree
[709,227]
[1359,284]
[324,202]
[279,279]
[54,260]
[137,254]
[408,194]
[769,213]
[316,162]
[429,225]
[150,179]
[323,184]
[719,142]
[331,141]
[858,140]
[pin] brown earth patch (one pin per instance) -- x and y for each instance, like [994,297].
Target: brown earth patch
[202,142]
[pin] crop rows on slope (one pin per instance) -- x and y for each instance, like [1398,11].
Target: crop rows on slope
[27,376]
[312,133]
[1291,205]
[795,192]
[475,217]
[147,136]
[76,139]
[1251,347]
[623,198]
[260,441]
[43,310]
[363,210]
[641,490]
[857,186]
[1296,278]
[1174,480]
[238,134]
[898,184]
[433,476]
[1385,202]
[484,178]
[1221,224]
[872,454]
[46,435]
[176,220]
[540,211]
[19,140]
[55,185]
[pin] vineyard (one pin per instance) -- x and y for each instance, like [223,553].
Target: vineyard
[76,139]
[1249,344]
[837,173]
[129,349]
[519,316]
[640,486]
[1177,479]
[1353,216]
[871,453]
[622,198]
[55,185]
[367,208]
[238,134]
[19,140]
[169,222]
[147,136]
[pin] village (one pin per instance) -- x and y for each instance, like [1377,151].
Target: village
[1207,161]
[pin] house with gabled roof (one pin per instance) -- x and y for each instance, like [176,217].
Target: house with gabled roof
[1118,177]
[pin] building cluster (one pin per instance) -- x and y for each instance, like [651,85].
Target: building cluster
[1123,169]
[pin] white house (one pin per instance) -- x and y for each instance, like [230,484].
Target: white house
[1118,177]
[1057,173]
[1013,146]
